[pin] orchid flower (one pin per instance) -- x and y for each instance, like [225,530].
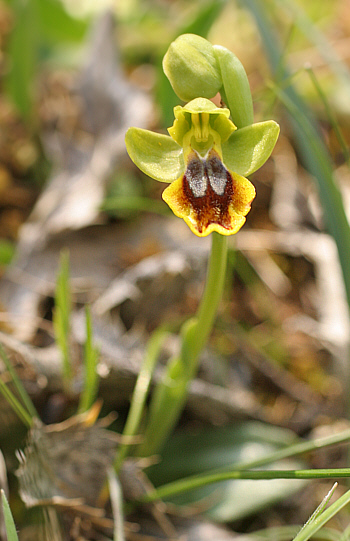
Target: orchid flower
[205,158]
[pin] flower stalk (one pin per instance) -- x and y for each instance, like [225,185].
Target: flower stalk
[205,159]
[170,395]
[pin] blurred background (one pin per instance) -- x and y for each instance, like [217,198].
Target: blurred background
[75,74]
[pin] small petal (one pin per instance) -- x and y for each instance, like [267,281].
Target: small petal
[157,155]
[224,127]
[248,149]
[180,127]
[198,114]
[209,197]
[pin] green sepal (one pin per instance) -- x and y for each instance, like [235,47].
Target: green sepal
[157,155]
[235,87]
[248,148]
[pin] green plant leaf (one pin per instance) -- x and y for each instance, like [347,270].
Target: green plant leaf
[38,25]
[248,149]
[157,155]
[9,522]
[15,404]
[191,454]
[345,536]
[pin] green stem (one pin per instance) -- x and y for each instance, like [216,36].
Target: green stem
[170,395]
[213,290]
[198,481]
[290,451]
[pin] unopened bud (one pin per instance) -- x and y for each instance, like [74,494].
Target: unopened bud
[191,67]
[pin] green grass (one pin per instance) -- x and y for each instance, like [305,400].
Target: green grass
[90,361]
[9,522]
[61,318]
[41,27]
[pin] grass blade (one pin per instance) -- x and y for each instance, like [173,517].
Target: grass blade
[15,404]
[18,384]
[197,481]
[116,498]
[330,115]
[91,356]
[310,529]
[315,36]
[9,522]
[140,393]
[286,533]
[320,508]
[61,317]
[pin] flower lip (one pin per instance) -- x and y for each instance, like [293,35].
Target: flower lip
[206,159]
[209,197]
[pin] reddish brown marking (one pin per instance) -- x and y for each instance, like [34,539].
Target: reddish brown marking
[211,208]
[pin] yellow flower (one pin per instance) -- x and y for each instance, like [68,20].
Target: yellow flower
[204,160]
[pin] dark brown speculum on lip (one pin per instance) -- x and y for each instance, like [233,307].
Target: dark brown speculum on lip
[208,187]
[208,196]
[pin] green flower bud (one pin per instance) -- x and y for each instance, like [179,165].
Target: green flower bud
[192,68]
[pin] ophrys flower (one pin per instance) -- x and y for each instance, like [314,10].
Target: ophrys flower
[206,160]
